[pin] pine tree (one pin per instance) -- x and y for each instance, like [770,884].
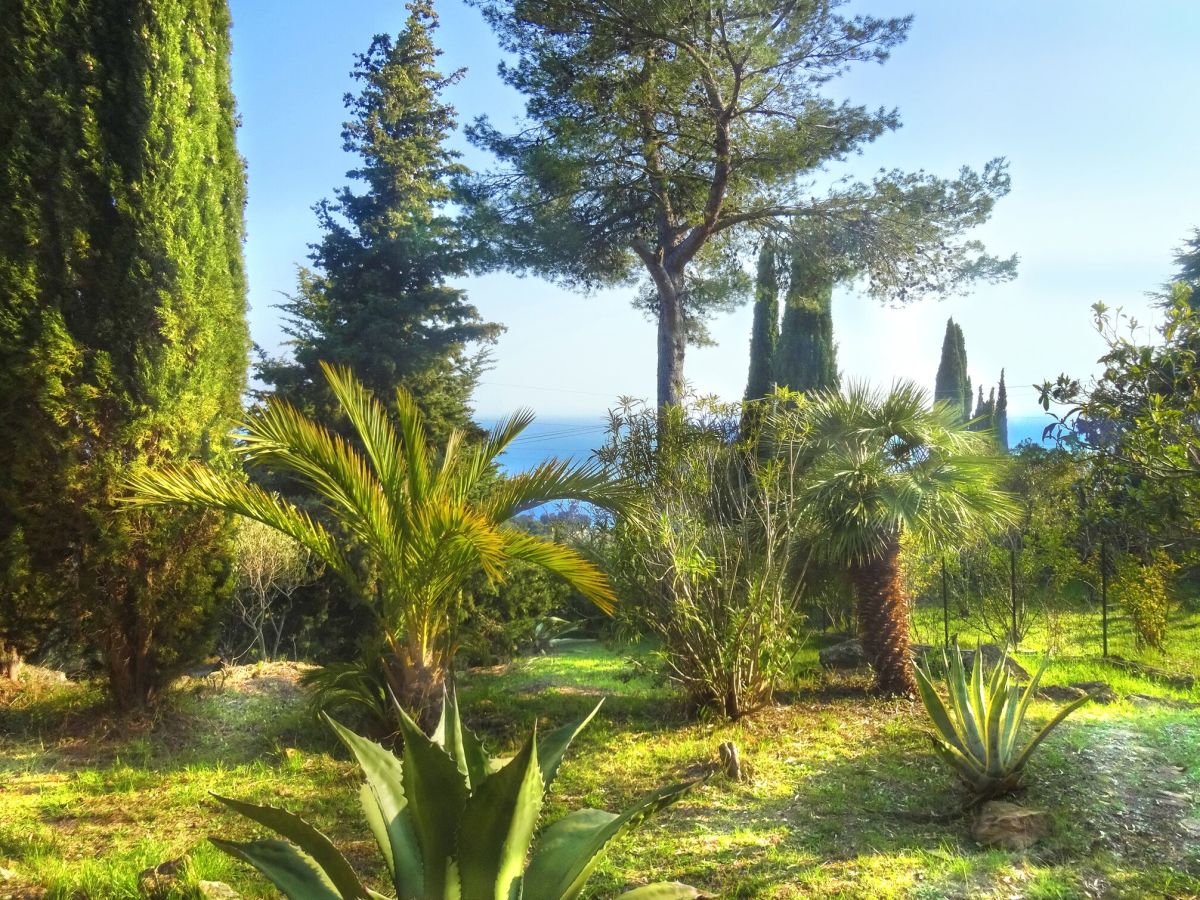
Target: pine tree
[123,340]
[376,298]
[806,359]
[953,384]
[764,332]
[1000,415]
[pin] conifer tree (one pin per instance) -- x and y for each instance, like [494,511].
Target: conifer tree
[806,359]
[764,332]
[376,299]
[952,384]
[1000,415]
[123,341]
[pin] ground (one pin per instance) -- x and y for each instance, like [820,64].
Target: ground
[845,798]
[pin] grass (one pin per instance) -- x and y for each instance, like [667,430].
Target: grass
[845,800]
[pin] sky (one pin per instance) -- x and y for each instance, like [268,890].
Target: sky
[1091,101]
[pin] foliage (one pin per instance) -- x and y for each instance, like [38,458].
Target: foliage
[871,467]
[451,822]
[764,332]
[123,341]
[659,134]
[411,526]
[953,384]
[377,300]
[978,732]
[707,556]
[806,359]
[1144,588]
[271,567]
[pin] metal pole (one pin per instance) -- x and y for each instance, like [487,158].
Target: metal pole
[1012,592]
[1104,595]
[945,605]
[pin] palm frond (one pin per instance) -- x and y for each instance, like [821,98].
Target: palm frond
[576,569]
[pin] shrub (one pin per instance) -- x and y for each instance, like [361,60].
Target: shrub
[1145,590]
[978,732]
[450,822]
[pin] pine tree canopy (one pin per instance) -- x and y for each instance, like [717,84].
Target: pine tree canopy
[377,298]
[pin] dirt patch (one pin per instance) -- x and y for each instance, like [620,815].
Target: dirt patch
[275,679]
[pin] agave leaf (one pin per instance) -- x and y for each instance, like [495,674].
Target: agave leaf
[937,710]
[379,828]
[964,765]
[569,850]
[478,764]
[978,698]
[285,866]
[957,684]
[1023,706]
[497,827]
[994,762]
[397,839]
[1046,729]
[311,842]
[436,791]
[552,749]
[666,890]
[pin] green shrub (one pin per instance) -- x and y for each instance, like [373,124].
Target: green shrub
[453,823]
[978,732]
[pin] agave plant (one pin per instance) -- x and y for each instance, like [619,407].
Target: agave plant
[453,823]
[978,733]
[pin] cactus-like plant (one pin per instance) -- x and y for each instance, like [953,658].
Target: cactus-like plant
[453,823]
[978,731]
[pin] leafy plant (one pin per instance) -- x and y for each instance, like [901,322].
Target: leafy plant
[453,823]
[978,732]
[411,524]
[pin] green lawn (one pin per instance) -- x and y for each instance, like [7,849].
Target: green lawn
[846,798]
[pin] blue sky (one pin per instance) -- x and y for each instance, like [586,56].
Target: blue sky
[1093,103]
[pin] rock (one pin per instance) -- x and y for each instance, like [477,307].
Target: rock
[991,658]
[7,875]
[1099,691]
[731,761]
[158,881]
[1008,826]
[216,890]
[846,655]
[1061,693]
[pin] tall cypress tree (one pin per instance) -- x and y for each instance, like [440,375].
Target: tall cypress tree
[377,299]
[1000,415]
[952,384]
[123,340]
[764,331]
[806,359]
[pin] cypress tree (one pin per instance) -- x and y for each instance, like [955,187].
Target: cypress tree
[1000,415]
[123,340]
[376,298]
[806,359]
[952,384]
[764,332]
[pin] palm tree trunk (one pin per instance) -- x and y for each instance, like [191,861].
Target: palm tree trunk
[418,679]
[883,621]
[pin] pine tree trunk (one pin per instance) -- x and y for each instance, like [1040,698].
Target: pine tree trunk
[883,621]
[672,341]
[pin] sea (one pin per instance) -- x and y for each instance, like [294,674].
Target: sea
[577,438]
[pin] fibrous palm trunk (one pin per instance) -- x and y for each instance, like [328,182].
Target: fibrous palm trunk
[883,620]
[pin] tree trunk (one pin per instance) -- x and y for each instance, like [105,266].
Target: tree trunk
[883,621]
[419,683]
[672,340]
[10,662]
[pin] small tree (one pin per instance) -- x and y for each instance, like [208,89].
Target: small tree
[271,567]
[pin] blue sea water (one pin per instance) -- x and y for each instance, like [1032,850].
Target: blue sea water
[577,438]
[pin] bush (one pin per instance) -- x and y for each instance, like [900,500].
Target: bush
[707,561]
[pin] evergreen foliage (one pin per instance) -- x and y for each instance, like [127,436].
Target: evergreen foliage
[1188,260]
[123,341]
[659,131]
[764,332]
[376,299]
[806,359]
[953,384]
[1000,415]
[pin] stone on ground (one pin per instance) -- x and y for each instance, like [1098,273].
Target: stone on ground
[1008,826]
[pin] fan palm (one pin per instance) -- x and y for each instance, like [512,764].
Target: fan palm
[407,526]
[875,465]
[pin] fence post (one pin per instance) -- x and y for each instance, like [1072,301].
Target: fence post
[945,605]
[1012,593]
[1104,596]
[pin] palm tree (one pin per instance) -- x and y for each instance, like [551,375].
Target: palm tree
[874,466]
[407,526]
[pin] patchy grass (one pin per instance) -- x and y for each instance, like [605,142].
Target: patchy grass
[845,800]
